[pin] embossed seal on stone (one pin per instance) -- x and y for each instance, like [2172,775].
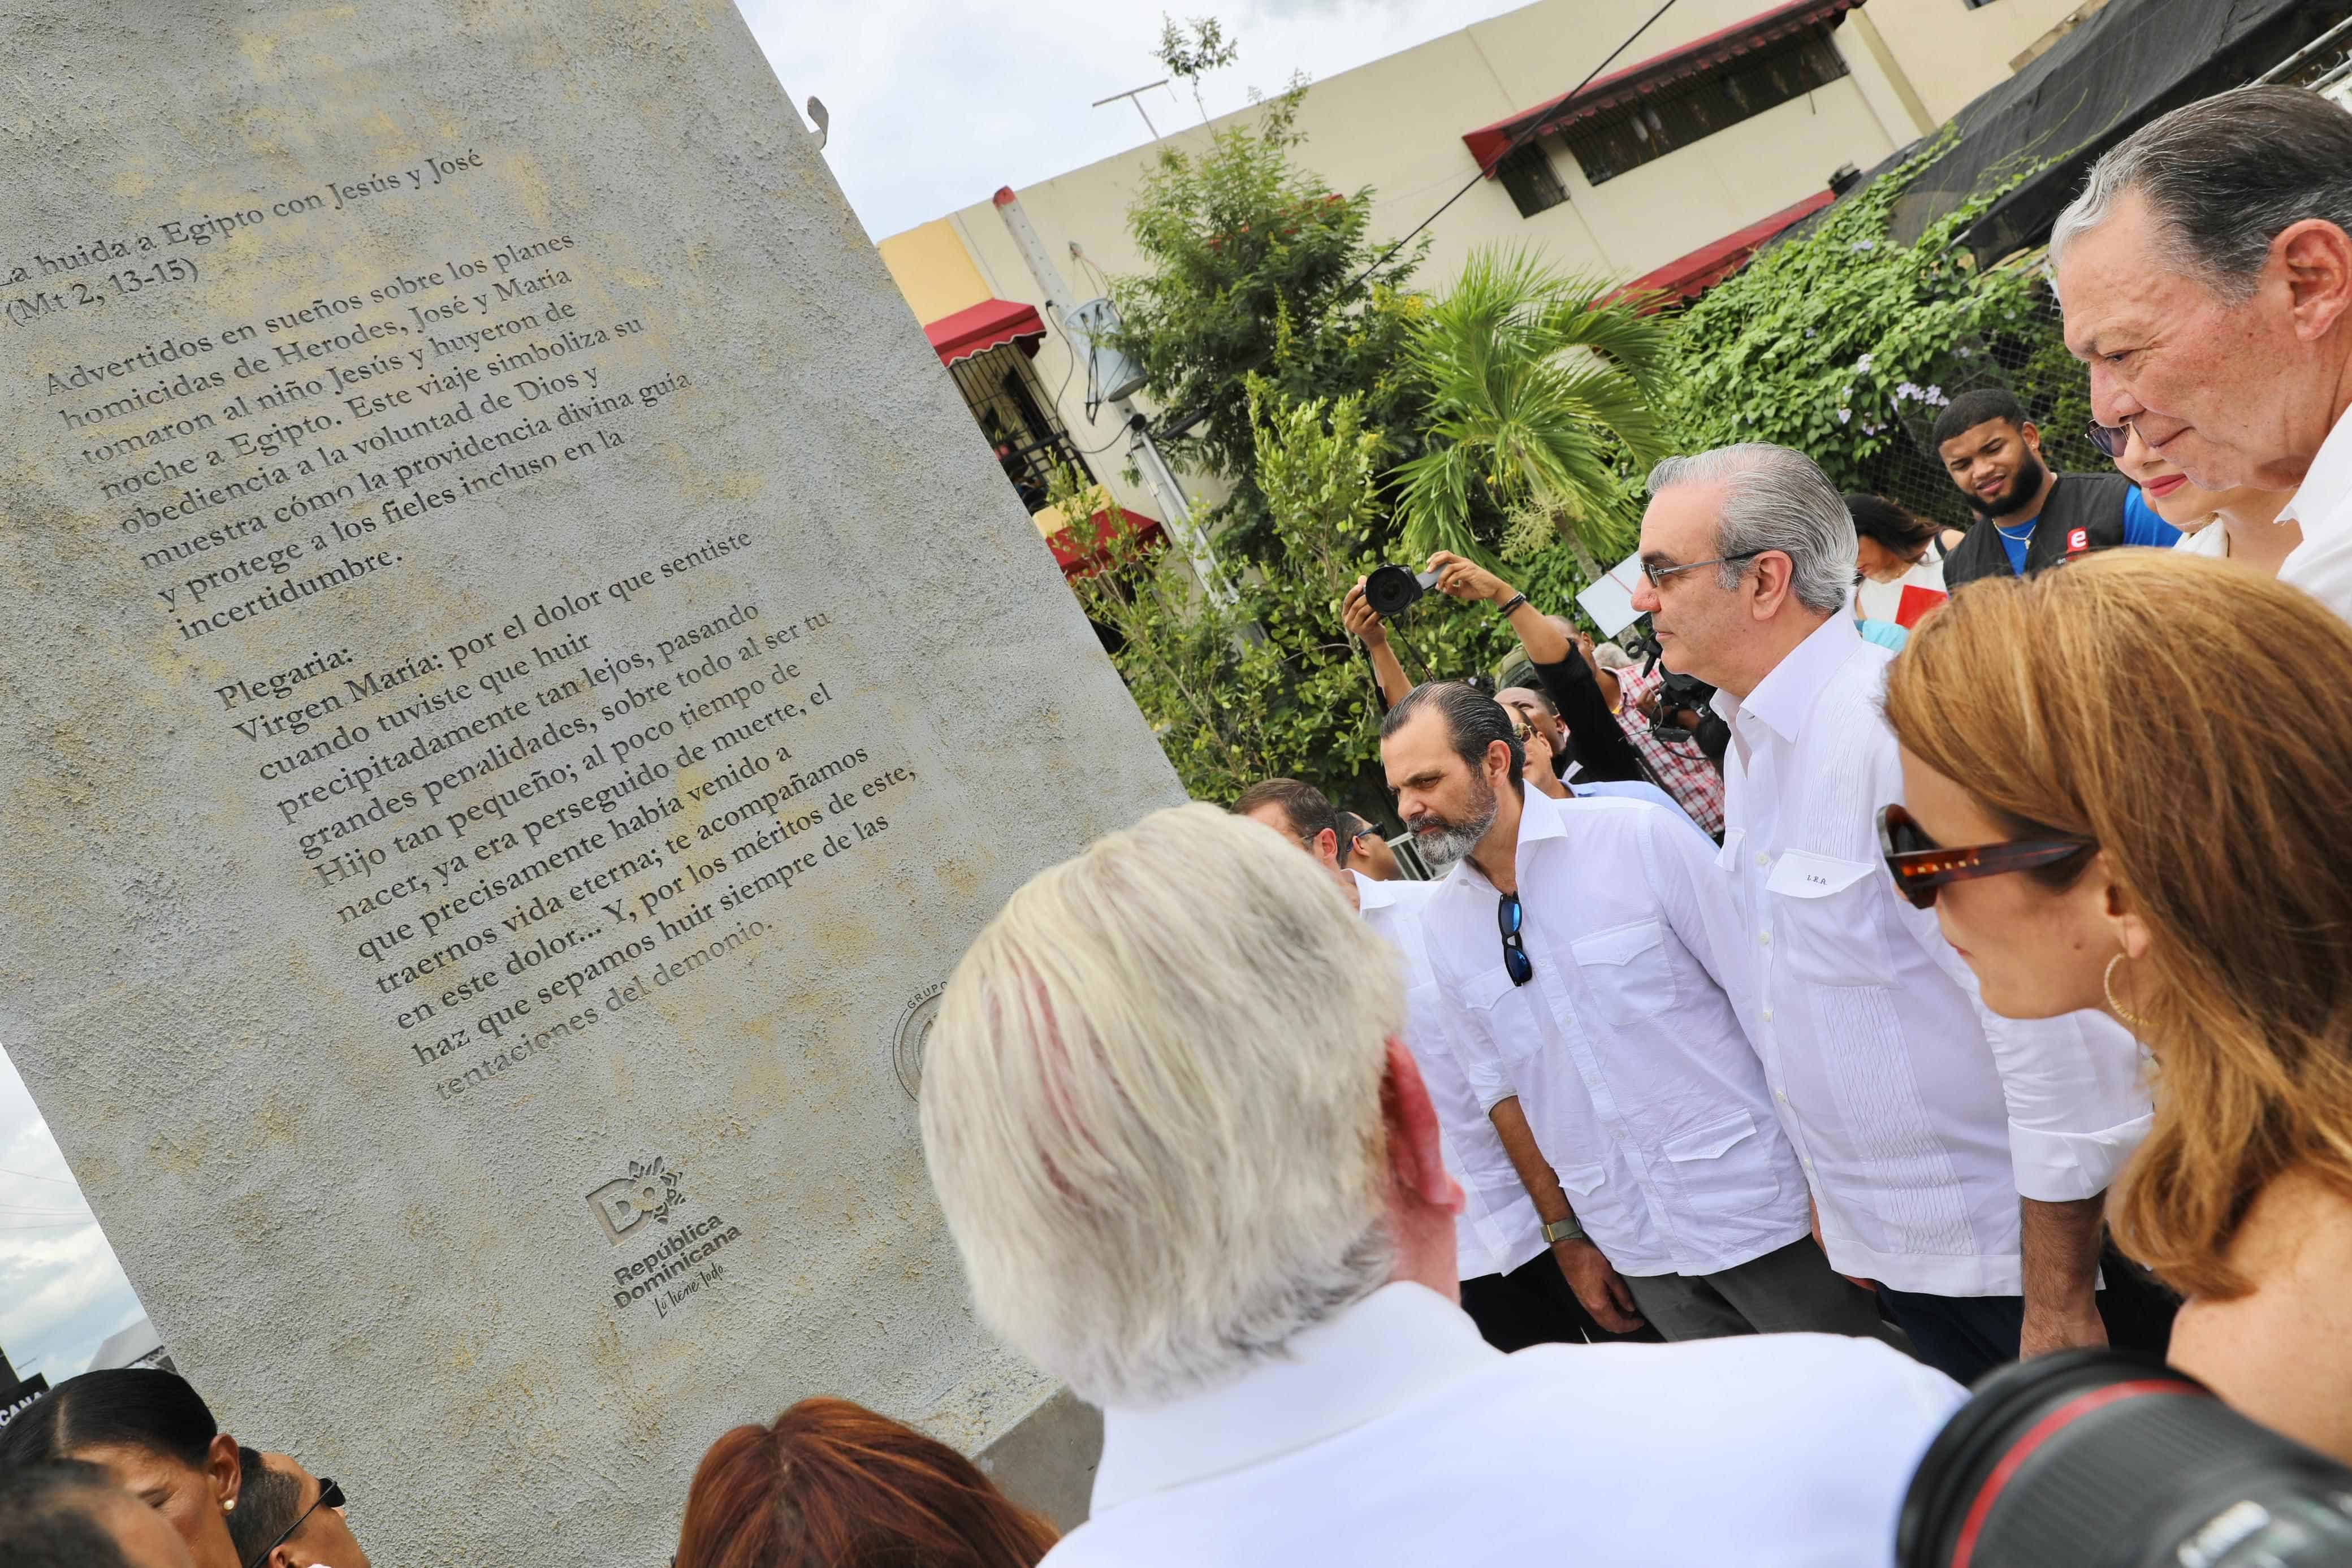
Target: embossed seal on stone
[912,1034]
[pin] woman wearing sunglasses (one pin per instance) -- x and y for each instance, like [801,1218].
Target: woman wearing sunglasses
[148,1430]
[2097,824]
[2239,525]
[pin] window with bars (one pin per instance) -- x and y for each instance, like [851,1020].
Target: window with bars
[1739,89]
[1004,396]
[1527,172]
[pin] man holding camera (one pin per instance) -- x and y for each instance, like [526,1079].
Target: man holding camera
[1595,741]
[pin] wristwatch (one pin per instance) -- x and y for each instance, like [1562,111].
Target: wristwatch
[1560,1230]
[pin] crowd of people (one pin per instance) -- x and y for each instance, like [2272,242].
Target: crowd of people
[1775,1045]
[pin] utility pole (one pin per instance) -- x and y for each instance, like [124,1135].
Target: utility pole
[1156,475]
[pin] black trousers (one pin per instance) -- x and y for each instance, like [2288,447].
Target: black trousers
[1534,1304]
[1964,1337]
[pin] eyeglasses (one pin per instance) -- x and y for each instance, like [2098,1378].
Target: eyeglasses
[1516,962]
[1920,865]
[330,1496]
[1658,574]
[2110,439]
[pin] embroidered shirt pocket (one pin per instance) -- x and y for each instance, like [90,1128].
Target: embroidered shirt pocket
[1627,970]
[1827,916]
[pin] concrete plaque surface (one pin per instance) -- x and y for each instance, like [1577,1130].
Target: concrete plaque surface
[522,679]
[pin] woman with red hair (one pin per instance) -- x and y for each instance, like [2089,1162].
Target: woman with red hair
[833,1485]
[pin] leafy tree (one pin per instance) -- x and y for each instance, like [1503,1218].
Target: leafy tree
[1192,50]
[1538,392]
[1251,260]
[1844,342]
[1271,686]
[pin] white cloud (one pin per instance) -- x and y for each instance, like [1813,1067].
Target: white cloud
[934,105]
[62,1290]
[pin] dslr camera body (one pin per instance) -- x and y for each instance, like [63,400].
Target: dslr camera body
[1679,691]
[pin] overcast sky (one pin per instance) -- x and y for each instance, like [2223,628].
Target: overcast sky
[935,103]
[61,1290]
[934,106]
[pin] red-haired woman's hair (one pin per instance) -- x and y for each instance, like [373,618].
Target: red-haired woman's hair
[833,1485]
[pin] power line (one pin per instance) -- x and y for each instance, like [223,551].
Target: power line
[61,1181]
[1526,133]
[59,1224]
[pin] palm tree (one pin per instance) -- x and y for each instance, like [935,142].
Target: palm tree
[1534,381]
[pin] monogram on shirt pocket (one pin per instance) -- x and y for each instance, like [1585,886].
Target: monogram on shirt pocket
[1728,1167]
[1828,917]
[1627,971]
[1507,1011]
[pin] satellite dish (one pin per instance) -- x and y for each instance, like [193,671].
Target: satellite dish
[1111,373]
[820,119]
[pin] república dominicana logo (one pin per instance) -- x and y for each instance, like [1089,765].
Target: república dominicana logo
[682,1263]
[651,1189]
[912,1033]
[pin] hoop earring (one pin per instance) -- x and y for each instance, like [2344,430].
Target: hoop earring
[2131,1020]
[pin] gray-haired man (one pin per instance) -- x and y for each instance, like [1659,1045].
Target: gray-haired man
[1956,1159]
[2206,273]
[1191,1169]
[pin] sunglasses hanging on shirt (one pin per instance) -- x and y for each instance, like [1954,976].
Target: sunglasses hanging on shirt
[1516,962]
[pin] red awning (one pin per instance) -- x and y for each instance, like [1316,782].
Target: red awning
[1693,275]
[1078,563]
[1488,142]
[979,327]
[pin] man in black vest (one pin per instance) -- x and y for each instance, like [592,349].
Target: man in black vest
[2028,515]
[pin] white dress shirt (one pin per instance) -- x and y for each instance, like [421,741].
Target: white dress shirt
[1625,1054]
[1919,1118]
[1497,1229]
[2211,541]
[2322,564]
[1394,1435]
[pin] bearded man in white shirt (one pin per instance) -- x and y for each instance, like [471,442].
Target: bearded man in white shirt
[2206,275]
[1191,1169]
[1957,1160]
[1574,942]
[1511,1286]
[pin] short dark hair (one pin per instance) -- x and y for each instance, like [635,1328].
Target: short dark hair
[135,1407]
[1521,671]
[1982,406]
[269,1501]
[1879,519]
[1473,721]
[49,1516]
[2225,176]
[1306,808]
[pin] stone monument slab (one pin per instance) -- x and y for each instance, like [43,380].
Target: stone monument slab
[522,679]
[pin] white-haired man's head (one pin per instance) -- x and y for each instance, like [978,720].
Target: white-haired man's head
[2206,275]
[1167,1116]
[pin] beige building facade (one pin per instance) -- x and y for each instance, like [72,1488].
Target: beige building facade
[1721,123]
